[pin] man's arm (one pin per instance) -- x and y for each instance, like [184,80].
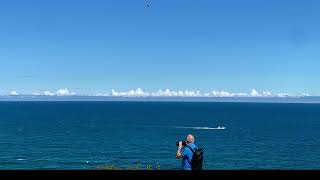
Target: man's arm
[179,151]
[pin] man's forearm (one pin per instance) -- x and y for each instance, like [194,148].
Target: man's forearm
[179,153]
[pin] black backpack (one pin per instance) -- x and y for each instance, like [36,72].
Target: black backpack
[197,158]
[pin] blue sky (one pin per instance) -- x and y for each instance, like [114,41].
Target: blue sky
[94,46]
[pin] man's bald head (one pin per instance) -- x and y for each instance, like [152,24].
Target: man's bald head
[190,138]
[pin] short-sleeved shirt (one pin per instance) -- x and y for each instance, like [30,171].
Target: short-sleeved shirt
[186,155]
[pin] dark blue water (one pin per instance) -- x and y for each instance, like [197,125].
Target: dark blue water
[84,135]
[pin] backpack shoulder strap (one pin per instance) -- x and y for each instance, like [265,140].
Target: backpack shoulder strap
[191,149]
[192,153]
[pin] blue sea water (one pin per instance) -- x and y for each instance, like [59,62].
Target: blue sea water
[84,135]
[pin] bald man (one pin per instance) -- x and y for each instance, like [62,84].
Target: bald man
[185,153]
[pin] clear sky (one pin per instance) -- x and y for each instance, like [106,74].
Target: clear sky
[91,46]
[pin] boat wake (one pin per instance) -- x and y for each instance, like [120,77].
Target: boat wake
[20,159]
[184,127]
[205,128]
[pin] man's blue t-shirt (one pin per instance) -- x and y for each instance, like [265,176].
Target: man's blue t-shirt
[187,154]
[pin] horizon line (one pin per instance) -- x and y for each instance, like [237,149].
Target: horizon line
[78,98]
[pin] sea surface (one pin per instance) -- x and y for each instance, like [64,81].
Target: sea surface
[86,135]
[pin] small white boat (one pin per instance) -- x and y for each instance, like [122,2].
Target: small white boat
[221,127]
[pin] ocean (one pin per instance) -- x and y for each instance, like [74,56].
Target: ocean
[86,135]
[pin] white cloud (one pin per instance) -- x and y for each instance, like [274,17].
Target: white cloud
[242,95]
[170,93]
[282,95]
[64,92]
[180,93]
[48,93]
[221,94]
[160,93]
[138,92]
[36,94]
[266,94]
[227,94]
[132,93]
[14,93]
[114,93]
[254,93]
[45,93]
[305,94]
[186,93]
[101,94]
